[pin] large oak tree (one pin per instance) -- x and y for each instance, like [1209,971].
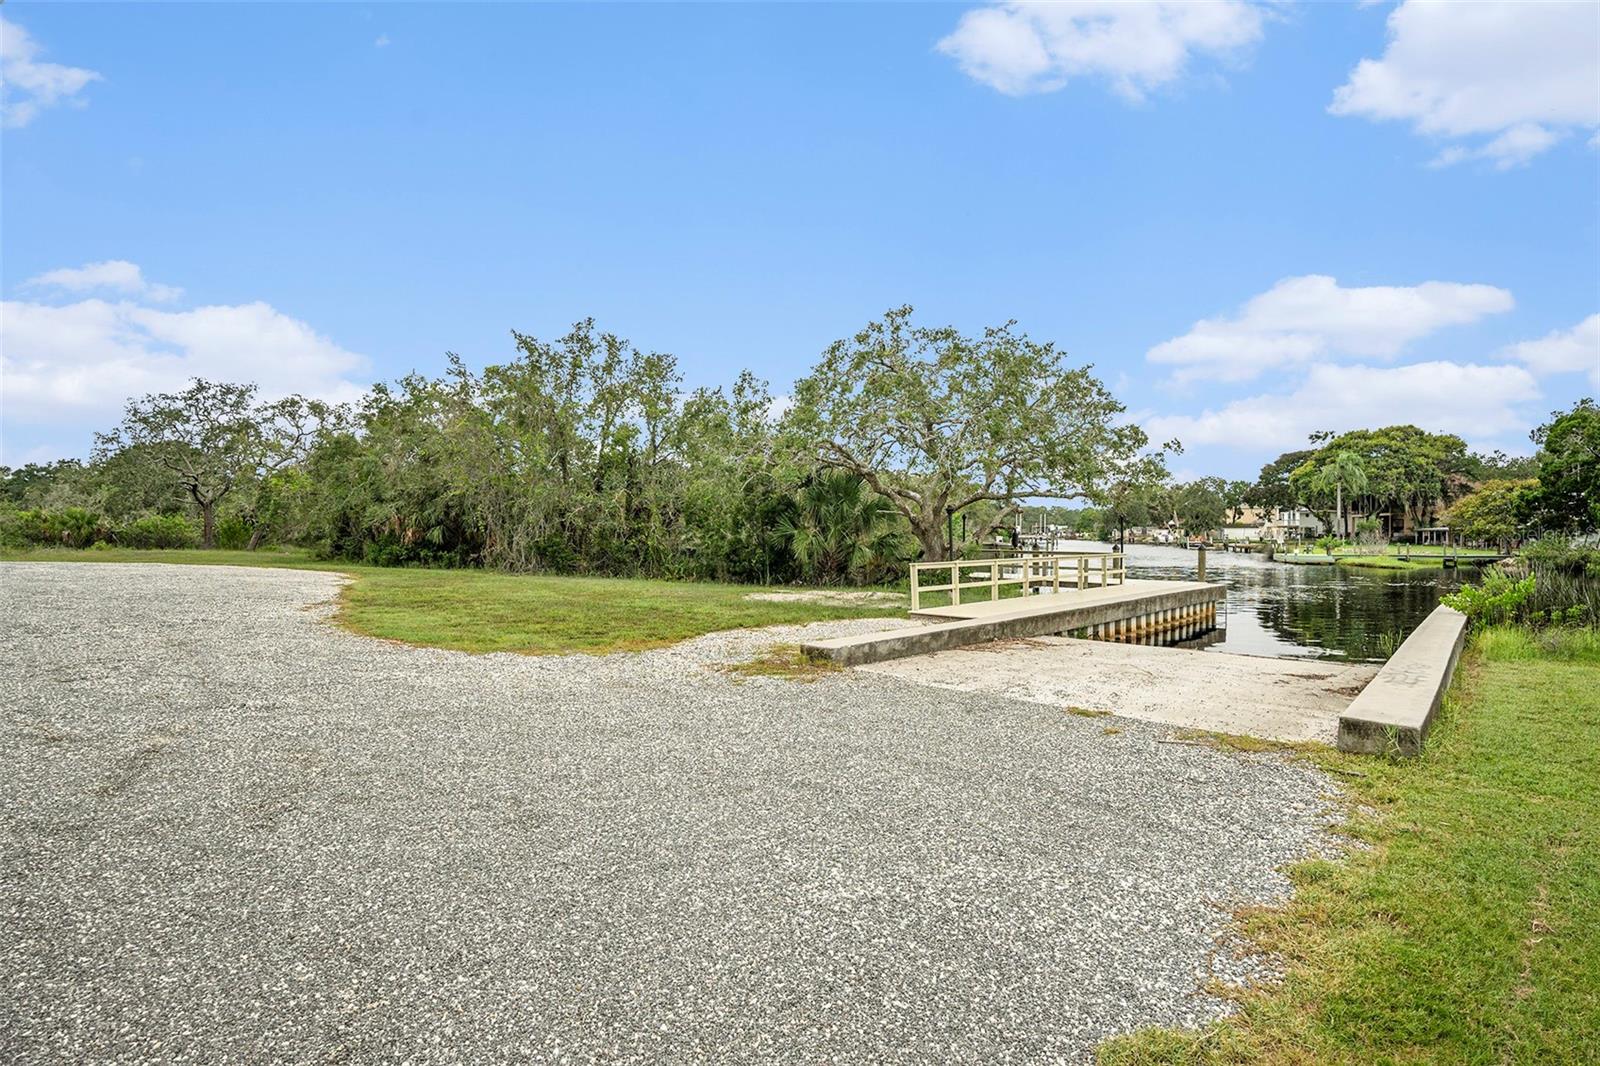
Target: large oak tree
[213,437]
[936,422]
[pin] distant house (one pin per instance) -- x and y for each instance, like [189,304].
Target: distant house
[1400,525]
[1272,524]
[1153,535]
[1280,524]
[1245,524]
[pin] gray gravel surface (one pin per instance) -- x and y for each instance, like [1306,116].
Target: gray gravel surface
[232,831]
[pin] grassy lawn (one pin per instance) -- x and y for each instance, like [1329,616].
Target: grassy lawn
[1407,556]
[481,611]
[1440,550]
[1389,562]
[1467,931]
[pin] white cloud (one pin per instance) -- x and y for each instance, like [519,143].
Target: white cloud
[1021,48]
[70,367]
[1522,74]
[1473,401]
[30,86]
[780,406]
[1563,351]
[1305,318]
[116,275]
[382,41]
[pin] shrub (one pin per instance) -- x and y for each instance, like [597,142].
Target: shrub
[1551,583]
[1557,553]
[1495,601]
[73,527]
[10,528]
[1567,585]
[159,531]
[80,527]
[387,551]
[233,533]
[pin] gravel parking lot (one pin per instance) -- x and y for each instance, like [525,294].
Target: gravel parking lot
[234,831]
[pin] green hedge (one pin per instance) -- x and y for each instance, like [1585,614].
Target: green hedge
[78,527]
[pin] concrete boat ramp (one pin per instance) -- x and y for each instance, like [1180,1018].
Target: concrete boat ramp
[1016,647]
[1274,699]
[1022,647]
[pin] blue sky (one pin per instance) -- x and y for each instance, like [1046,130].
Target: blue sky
[1256,221]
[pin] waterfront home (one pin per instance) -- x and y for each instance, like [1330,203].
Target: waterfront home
[1278,524]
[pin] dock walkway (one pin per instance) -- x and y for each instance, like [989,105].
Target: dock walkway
[1129,611]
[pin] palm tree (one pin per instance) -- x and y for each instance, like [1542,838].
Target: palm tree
[1341,470]
[839,528]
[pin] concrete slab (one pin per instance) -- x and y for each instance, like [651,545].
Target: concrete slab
[1275,699]
[1393,712]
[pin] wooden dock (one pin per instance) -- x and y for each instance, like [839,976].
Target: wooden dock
[1130,611]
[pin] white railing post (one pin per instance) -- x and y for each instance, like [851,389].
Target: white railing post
[1044,571]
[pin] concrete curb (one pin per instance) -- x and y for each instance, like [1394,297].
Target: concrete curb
[1396,708]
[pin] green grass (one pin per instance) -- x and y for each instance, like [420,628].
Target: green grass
[1466,931]
[483,611]
[1431,558]
[786,661]
[1389,562]
[983,594]
[1440,550]
[1407,556]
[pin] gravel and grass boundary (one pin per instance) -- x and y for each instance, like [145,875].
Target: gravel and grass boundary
[234,831]
[533,614]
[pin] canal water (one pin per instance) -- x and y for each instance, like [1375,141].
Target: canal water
[1284,610]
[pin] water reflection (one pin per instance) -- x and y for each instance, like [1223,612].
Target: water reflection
[1283,610]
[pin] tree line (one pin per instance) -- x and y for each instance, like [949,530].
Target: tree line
[585,454]
[1419,479]
[1415,477]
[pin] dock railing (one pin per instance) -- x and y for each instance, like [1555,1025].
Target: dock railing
[1054,571]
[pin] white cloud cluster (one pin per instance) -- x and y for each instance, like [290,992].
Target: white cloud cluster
[114,275]
[29,86]
[1309,329]
[1476,402]
[71,366]
[1563,351]
[1312,317]
[1020,48]
[1512,79]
